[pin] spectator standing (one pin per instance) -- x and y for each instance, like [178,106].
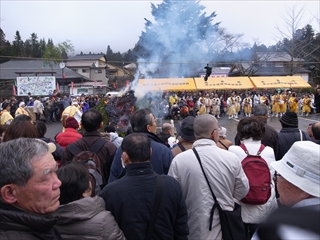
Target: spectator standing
[131,198]
[42,129]
[186,136]
[19,129]
[5,116]
[13,107]
[142,121]
[70,134]
[21,109]
[224,172]
[91,122]
[113,135]
[38,108]
[289,133]
[316,132]
[29,190]
[93,221]
[250,131]
[270,136]
[298,174]
[317,100]
[223,142]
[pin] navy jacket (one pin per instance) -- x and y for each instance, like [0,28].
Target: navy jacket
[287,136]
[161,159]
[131,198]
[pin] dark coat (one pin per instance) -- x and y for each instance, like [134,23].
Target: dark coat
[130,200]
[106,153]
[269,138]
[288,136]
[57,154]
[161,158]
[20,225]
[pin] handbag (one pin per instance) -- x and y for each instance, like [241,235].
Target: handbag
[232,226]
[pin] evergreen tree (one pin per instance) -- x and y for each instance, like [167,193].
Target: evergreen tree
[18,45]
[181,33]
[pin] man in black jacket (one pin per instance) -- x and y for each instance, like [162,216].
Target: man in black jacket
[29,188]
[131,199]
[270,137]
[289,133]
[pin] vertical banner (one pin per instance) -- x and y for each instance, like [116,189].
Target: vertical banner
[57,87]
[72,86]
[14,92]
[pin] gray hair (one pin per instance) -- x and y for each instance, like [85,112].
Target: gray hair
[16,157]
[204,125]
[260,110]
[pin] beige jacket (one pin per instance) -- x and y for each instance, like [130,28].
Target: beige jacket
[227,180]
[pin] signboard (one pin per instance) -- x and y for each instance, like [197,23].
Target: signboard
[36,85]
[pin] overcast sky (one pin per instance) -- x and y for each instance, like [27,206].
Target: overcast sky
[93,25]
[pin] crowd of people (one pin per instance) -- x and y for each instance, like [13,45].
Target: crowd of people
[95,184]
[179,105]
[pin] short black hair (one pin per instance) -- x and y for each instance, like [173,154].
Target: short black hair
[91,120]
[137,146]
[140,120]
[109,128]
[74,177]
[251,127]
[5,105]
[21,117]
[41,127]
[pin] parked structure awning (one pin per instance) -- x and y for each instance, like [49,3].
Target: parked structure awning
[221,83]
[168,84]
[280,82]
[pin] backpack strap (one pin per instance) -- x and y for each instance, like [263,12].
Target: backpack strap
[246,150]
[97,145]
[223,144]
[181,147]
[74,149]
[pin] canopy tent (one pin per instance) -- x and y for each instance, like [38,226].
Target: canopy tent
[223,83]
[280,82]
[168,84]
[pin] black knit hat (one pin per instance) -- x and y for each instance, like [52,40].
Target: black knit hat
[185,129]
[290,119]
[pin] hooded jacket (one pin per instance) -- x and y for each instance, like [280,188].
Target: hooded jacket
[87,218]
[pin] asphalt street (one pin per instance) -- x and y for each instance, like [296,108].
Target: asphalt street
[230,124]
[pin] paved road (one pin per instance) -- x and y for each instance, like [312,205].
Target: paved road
[229,124]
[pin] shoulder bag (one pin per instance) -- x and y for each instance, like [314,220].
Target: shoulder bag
[232,226]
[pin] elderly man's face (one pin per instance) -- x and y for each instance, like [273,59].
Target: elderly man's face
[42,191]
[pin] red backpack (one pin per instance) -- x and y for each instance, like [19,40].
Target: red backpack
[258,174]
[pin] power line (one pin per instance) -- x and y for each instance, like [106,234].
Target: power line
[147,62]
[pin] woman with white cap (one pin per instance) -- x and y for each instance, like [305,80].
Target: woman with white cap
[223,142]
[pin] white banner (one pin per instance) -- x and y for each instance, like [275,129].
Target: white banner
[36,85]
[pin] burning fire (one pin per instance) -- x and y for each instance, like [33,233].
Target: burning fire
[119,109]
